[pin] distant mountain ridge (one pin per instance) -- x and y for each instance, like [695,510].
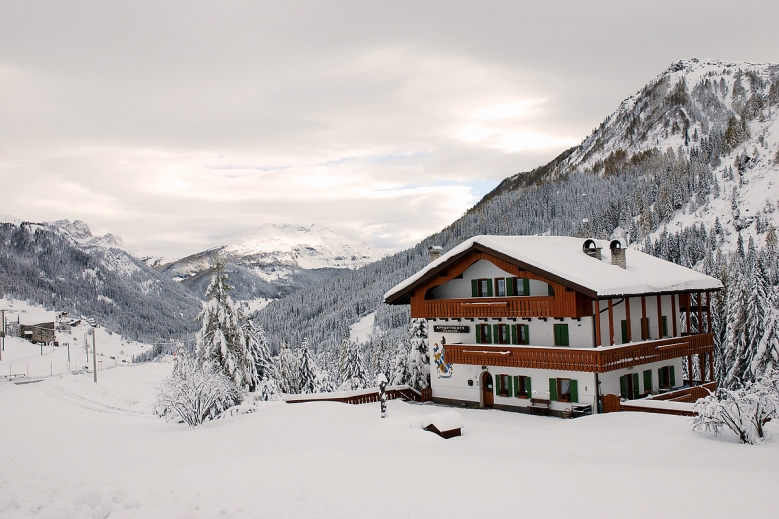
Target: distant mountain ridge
[274,260]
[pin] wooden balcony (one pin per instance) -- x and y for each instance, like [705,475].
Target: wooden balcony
[593,360]
[540,306]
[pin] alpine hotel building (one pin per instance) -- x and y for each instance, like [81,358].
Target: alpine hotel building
[556,324]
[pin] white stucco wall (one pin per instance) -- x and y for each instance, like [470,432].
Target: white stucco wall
[635,318]
[580,333]
[461,288]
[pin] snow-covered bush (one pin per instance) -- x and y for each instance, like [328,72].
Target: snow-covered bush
[745,411]
[195,393]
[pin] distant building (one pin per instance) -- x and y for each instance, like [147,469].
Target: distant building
[35,333]
[545,323]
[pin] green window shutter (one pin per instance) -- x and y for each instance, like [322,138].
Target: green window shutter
[514,339]
[623,387]
[510,286]
[660,377]
[489,288]
[550,289]
[665,326]
[561,335]
[497,384]
[478,334]
[525,287]
[475,287]
[527,334]
[510,389]
[528,389]
[495,334]
[574,391]
[624,331]
[553,389]
[635,386]
[516,387]
[488,340]
[672,376]
[564,331]
[648,380]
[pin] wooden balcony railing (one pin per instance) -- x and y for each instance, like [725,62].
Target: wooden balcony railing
[600,360]
[530,306]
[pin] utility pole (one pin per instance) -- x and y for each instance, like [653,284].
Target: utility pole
[94,354]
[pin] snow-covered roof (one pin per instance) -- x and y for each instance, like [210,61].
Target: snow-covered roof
[561,259]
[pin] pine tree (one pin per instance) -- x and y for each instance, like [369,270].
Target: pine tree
[288,370]
[307,377]
[400,374]
[351,370]
[736,353]
[766,357]
[257,345]
[419,356]
[220,341]
[756,311]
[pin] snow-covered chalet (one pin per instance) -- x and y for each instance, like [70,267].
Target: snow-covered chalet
[556,324]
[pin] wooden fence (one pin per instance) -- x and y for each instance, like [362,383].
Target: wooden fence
[364,396]
[688,395]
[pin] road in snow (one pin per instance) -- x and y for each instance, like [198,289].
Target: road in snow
[70,448]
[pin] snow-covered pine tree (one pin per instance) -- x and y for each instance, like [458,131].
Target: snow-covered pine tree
[419,356]
[736,353]
[307,368]
[351,369]
[766,358]
[257,345]
[220,341]
[400,374]
[288,370]
[756,310]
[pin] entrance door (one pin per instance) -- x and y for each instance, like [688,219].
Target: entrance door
[487,396]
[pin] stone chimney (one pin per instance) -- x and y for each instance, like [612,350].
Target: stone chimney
[435,252]
[617,254]
[591,250]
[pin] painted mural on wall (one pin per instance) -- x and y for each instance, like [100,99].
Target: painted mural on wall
[443,369]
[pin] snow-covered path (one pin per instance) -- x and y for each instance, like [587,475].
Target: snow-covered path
[71,448]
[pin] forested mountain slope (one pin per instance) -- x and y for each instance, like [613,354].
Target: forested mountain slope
[693,154]
[61,266]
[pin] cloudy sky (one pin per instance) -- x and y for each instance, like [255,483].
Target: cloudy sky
[174,124]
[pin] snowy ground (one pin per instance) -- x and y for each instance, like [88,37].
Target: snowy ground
[72,448]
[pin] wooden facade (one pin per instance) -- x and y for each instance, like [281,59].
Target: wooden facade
[564,303]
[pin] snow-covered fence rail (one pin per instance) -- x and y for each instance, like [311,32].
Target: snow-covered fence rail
[363,396]
[679,402]
[688,394]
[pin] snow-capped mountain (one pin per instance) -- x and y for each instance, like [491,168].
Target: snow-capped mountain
[274,259]
[725,112]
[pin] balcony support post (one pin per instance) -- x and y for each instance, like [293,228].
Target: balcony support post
[611,323]
[708,317]
[596,322]
[627,318]
[689,369]
[687,310]
[674,317]
[702,365]
[644,327]
[711,366]
[659,316]
[700,313]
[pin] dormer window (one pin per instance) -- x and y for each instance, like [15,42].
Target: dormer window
[500,287]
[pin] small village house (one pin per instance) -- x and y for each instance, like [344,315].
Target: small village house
[559,324]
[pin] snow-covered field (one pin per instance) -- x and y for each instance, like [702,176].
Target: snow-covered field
[72,448]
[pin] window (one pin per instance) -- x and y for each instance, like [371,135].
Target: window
[647,381]
[500,287]
[481,287]
[520,334]
[628,386]
[561,335]
[665,326]
[522,387]
[483,334]
[645,329]
[503,385]
[523,286]
[501,333]
[563,390]
[666,377]
[550,290]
